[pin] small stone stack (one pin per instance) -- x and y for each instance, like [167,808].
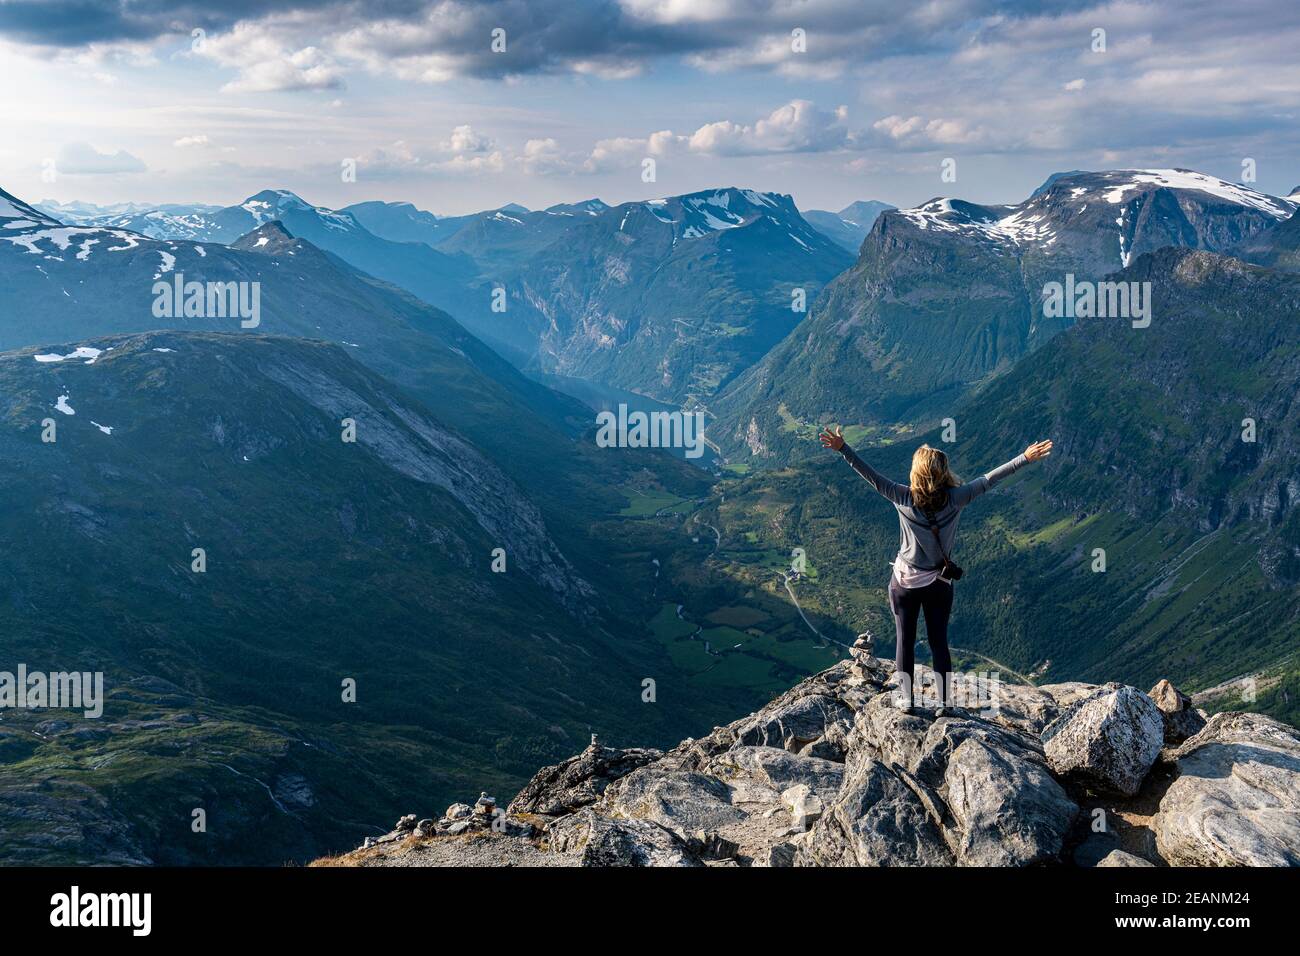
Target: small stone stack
[863,654]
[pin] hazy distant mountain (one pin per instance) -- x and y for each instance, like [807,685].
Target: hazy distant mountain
[64,282]
[946,295]
[850,225]
[436,278]
[403,222]
[166,221]
[669,297]
[1277,247]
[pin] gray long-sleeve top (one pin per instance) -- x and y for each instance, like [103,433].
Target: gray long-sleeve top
[916,544]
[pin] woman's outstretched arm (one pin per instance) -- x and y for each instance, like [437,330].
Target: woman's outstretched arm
[898,494]
[973,489]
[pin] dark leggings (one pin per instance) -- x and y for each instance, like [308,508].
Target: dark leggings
[907,604]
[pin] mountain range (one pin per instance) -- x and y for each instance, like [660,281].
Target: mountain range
[372,559]
[948,295]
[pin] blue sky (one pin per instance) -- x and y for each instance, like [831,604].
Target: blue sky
[115,102]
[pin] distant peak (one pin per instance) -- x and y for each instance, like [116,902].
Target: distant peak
[269,237]
[276,196]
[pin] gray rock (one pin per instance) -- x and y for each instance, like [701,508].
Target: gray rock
[780,769]
[1123,858]
[1182,720]
[805,806]
[458,811]
[1236,799]
[682,801]
[579,781]
[711,846]
[1107,741]
[794,724]
[406,823]
[779,854]
[460,826]
[601,841]
[876,820]
[1008,810]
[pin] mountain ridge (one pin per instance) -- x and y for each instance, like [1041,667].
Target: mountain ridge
[832,774]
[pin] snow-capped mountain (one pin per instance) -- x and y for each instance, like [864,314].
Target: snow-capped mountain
[948,294]
[668,297]
[1134,211]
[167,221]
[589,207]
[63,283]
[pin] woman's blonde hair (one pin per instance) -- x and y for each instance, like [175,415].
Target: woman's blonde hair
[931,478]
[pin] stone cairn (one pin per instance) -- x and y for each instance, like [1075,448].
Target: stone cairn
[862,653]
[459,818]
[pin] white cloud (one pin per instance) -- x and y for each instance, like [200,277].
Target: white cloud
[186,142]
[85,159]
[465,140]
[269,60]
[796,127]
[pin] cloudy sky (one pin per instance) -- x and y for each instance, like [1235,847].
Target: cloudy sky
[829,100]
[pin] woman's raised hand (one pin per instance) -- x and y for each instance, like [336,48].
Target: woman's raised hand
[1039,449]
[834,438]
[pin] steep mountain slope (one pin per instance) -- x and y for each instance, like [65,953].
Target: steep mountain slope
[1200,528]
[949,294]
[1277,247]
[669,298]
[326,561]
[850,225]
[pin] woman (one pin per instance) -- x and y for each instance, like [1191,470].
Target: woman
[933,500]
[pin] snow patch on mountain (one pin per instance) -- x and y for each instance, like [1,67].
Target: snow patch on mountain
[82,352]
[1187,179]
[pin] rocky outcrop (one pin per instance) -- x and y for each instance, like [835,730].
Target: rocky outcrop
[578,781]
[1236,799]
[1108,740]
[1182,720]
[829,774]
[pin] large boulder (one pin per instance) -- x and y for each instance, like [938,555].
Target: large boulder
[1107,741]
[793,725]
[1008,811]
[1182,720]
[1236,799]
[579,781]
[879,818]
[601,841]
[682,801]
